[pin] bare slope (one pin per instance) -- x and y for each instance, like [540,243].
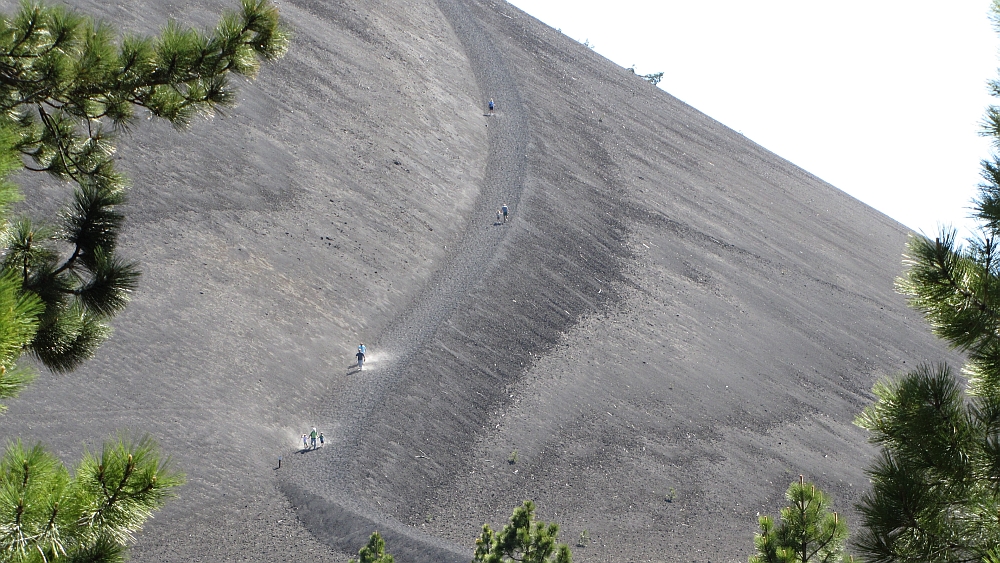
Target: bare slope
[674,325]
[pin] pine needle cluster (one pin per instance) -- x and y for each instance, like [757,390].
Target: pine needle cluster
[47,513]
[522,540]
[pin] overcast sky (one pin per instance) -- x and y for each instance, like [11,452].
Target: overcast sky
[881,98]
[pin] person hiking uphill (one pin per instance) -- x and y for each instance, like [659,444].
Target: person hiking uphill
[361,358]
[491,106]
[504,210]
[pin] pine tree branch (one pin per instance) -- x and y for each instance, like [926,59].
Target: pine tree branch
[949,274]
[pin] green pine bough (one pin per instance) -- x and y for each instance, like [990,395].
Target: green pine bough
[935,485]
[69,85]
[48,513]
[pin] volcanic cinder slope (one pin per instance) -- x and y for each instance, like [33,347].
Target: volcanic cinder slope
[674,325]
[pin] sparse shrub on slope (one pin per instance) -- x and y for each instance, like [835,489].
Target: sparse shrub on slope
[653,78]
[68,86]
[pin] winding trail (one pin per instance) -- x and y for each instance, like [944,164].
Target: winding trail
[319,486]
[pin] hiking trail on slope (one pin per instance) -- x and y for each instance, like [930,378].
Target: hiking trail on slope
[318,485]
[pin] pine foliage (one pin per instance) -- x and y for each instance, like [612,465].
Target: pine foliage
[48,513]
[523,540]
[935,491]
[374,551]
[808,531]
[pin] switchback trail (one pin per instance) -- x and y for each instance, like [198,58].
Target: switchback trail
[318,484]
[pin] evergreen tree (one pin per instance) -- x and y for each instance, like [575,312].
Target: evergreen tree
[808,532]
[522,540]
[67,88]
[47,513]
[374,552]
[935,487]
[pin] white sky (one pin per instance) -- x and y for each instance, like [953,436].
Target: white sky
[881,98]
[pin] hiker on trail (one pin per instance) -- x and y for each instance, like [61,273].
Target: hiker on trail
[305,442]
[321,439]
[312,437]
[498,216]
[361,348]
[491,106]
[504,209]
[361,359]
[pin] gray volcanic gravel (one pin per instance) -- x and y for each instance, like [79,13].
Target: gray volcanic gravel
[673,326]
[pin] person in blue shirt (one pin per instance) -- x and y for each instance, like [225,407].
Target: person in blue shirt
[491,106]
[504,210]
